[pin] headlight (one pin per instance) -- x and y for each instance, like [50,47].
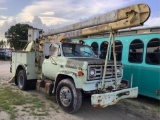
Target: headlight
[119,71]
[92,72]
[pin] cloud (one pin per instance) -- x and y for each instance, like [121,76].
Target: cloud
[2,22]
[54,20]
[1,1]
[2,8]
[68,10]
[48,13]
[152,21]
[5,25]
[3,17]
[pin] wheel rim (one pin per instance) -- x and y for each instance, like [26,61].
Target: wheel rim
[65,96]
[21,80]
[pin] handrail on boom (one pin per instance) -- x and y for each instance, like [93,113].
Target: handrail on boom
[111,41]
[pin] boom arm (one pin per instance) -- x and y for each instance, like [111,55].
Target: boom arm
[128,17]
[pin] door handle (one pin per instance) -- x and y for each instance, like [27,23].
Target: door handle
[53,61]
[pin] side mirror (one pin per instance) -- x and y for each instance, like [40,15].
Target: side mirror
[46,49]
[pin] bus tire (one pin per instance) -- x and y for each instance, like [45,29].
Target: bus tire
[68,97]
[22,80]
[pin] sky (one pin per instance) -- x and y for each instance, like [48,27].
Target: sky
[51,14]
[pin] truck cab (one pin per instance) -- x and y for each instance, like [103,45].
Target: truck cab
[78,62]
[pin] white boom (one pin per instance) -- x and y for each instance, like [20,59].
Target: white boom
[127,17]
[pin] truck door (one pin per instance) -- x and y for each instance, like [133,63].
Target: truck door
[50,66]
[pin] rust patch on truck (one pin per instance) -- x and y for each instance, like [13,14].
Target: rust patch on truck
[44,86]
[94,61]
[74,63]
[69,72]
[98,106]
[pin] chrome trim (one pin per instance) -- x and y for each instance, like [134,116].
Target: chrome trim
[110,72]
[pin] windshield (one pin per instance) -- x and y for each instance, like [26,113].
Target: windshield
[77,50]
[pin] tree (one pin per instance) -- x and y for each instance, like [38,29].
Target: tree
[2,44]
[17,36]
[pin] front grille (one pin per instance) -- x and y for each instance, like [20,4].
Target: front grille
[110,72]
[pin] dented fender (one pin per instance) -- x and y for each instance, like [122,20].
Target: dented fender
[78,80]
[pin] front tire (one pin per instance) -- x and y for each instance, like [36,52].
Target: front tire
[22,80]
[68,97]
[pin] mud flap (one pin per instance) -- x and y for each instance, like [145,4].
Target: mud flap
[106,99]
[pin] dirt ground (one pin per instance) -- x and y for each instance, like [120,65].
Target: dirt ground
[142,108]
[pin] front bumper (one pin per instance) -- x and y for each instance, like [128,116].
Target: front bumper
[106,99]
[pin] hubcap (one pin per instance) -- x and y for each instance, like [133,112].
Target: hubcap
[65,96]
[21,80]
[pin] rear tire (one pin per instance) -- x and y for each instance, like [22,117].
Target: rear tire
[68,97]
[22,80]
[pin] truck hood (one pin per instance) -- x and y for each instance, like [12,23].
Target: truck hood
[80,62]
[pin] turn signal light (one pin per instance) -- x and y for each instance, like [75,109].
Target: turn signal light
[80,73]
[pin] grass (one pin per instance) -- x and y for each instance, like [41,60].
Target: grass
[10,99]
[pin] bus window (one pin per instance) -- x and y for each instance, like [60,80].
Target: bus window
[153,52]
[94,46]
[118,48]
[136,51]
[103,50]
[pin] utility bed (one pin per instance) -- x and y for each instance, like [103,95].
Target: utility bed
[26,59]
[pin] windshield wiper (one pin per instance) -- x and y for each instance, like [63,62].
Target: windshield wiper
[78,53]
[88,53]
